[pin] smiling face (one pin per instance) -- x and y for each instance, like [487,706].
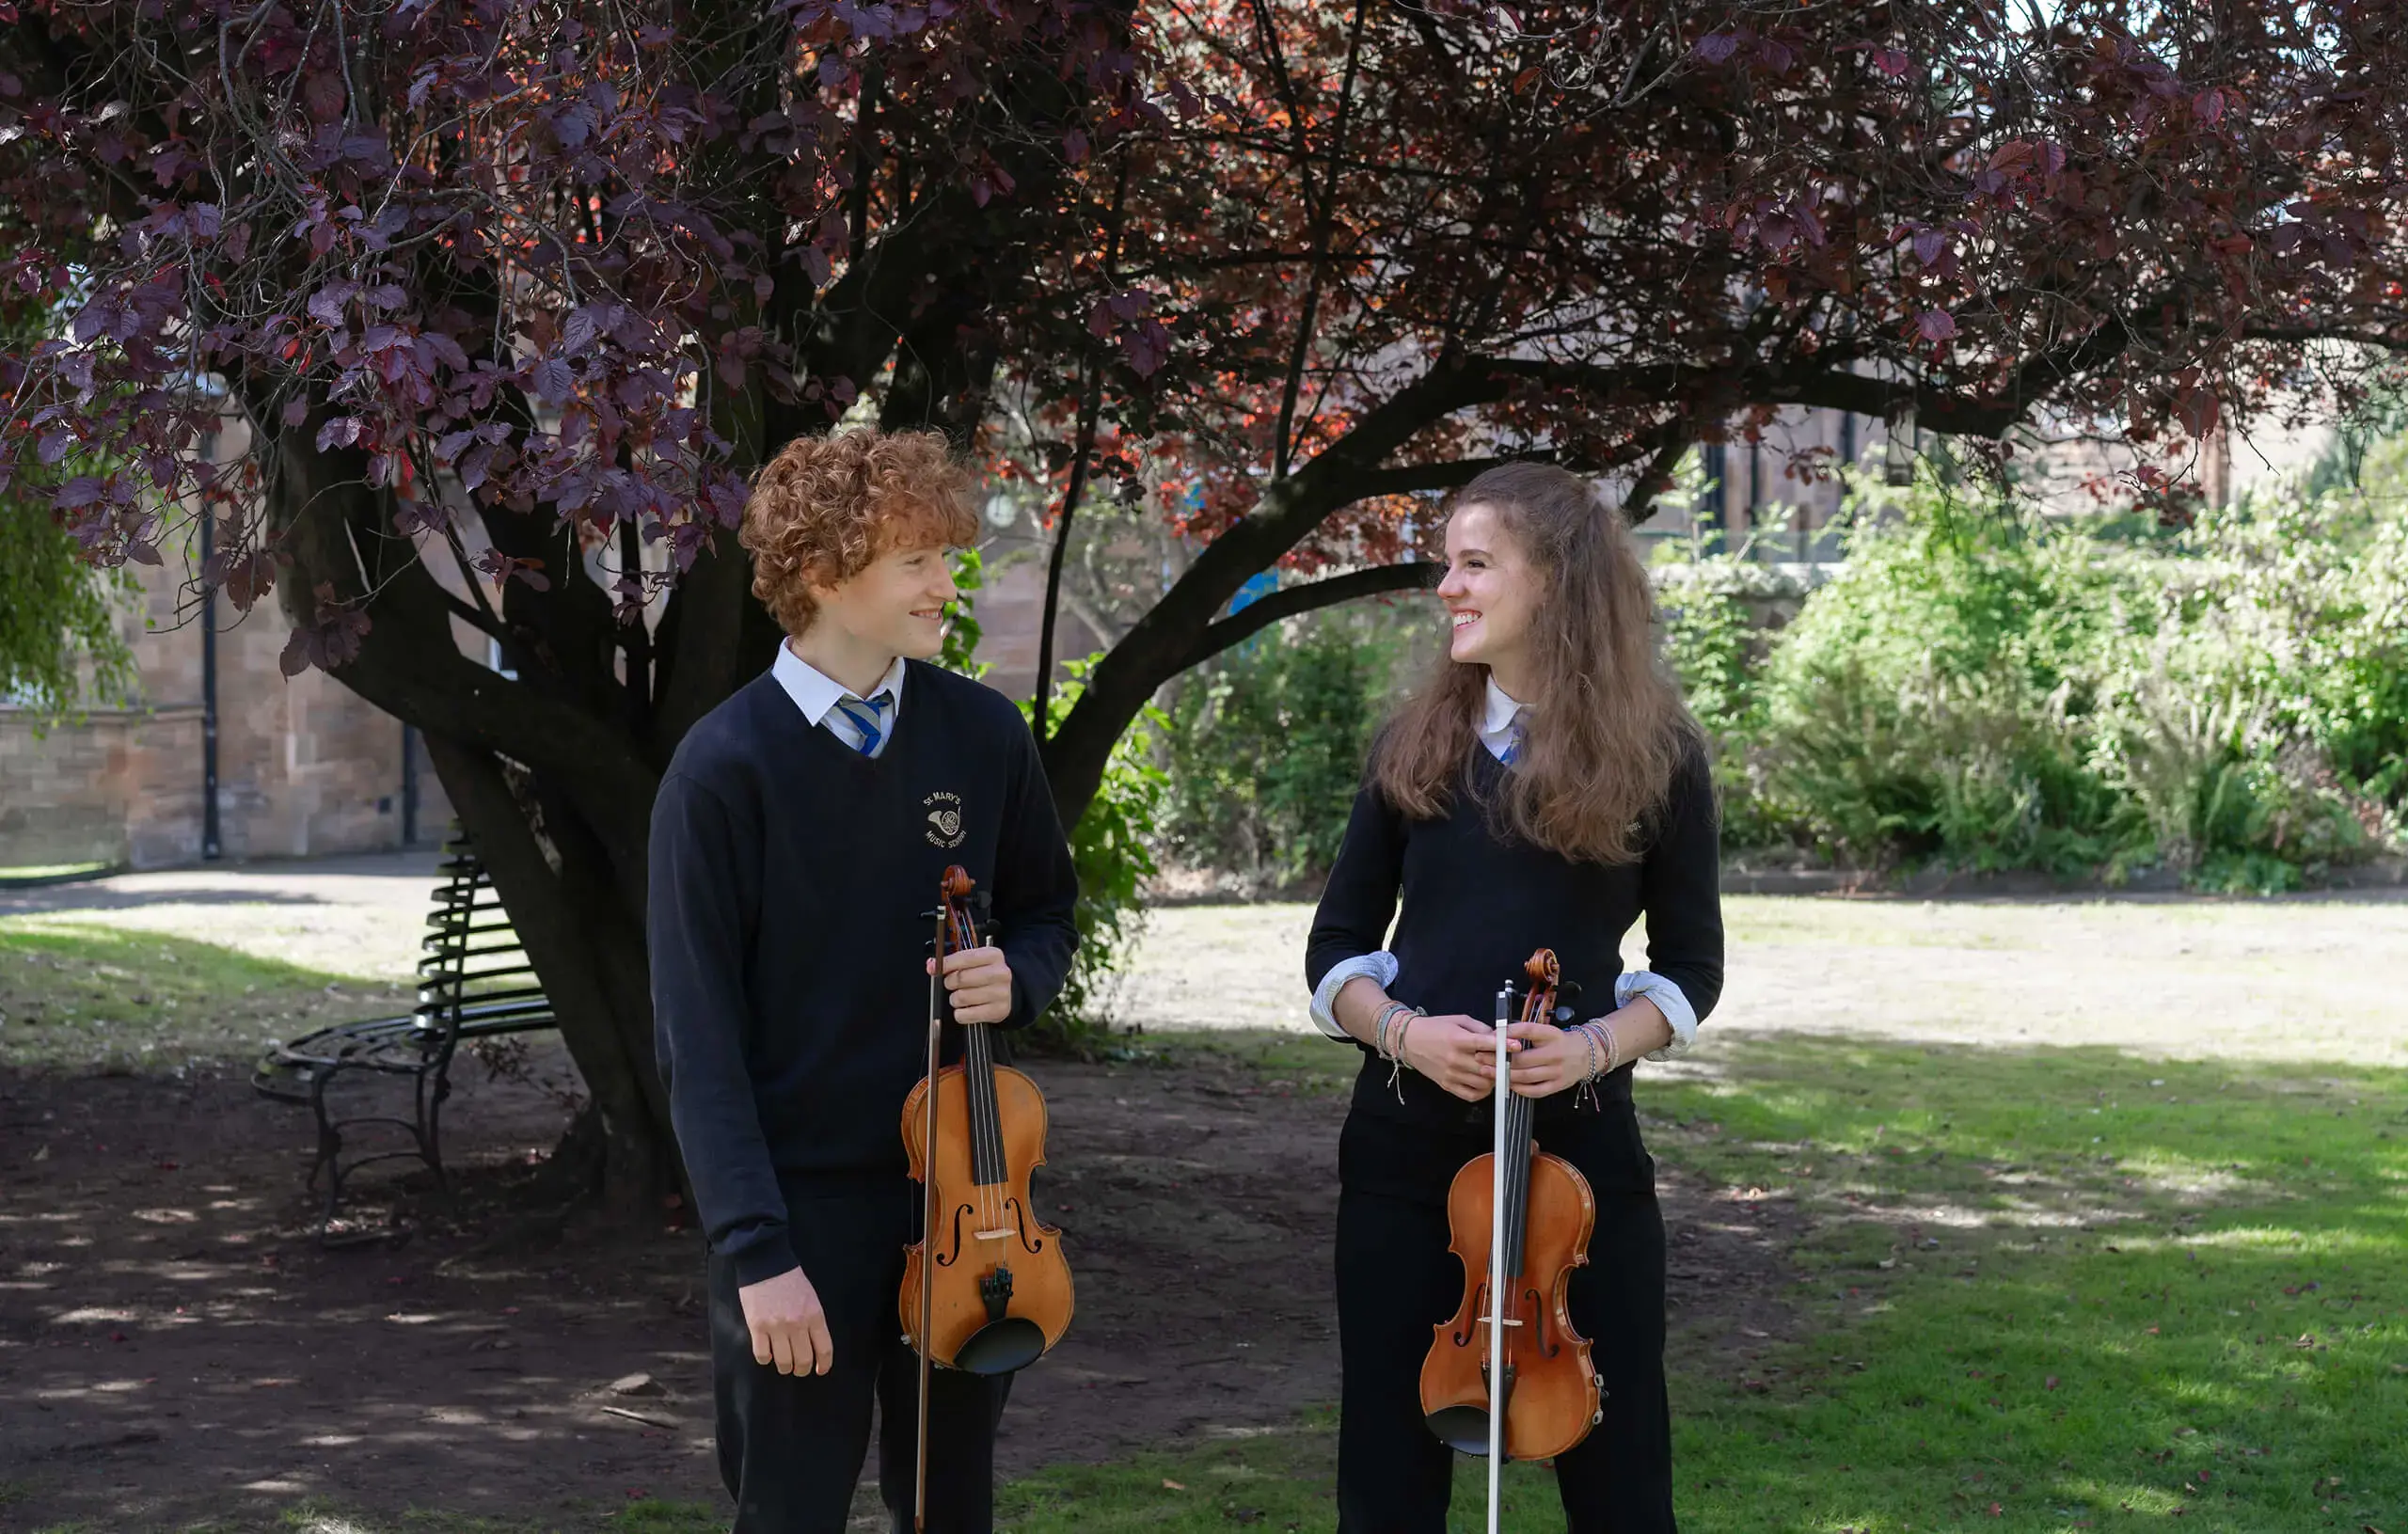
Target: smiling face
[894,606]
[1491,592]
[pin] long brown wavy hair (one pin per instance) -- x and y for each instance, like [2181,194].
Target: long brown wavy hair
[1608,729]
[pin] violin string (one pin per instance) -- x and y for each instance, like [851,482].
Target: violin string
[986,1124]
[976,1115]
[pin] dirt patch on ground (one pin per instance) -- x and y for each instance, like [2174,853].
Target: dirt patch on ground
[173,1345]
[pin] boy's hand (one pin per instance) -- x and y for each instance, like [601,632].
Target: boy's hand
[789,1329]
[980,984]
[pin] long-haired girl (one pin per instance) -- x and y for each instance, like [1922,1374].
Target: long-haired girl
[1545,788]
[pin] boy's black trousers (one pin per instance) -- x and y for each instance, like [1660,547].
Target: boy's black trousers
[790,1447]
[1397,1281]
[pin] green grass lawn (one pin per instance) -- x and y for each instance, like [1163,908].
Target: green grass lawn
[30,873]
[89,997]
[2045,1291]
[2042,1289]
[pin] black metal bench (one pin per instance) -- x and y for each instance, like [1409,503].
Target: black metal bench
[474,981]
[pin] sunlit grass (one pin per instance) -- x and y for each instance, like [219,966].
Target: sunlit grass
[2043,1290]
[94,997]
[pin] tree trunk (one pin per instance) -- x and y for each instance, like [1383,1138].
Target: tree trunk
[588,947]
[553,786]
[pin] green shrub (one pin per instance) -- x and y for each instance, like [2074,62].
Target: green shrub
[1930,703]
[2261,726]
[1264,746]
[1986,689]
[1109,846]
[1715,641]
[1112,850]
[961,635]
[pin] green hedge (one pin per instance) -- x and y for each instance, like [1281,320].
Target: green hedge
[1263,746]
[1981,689]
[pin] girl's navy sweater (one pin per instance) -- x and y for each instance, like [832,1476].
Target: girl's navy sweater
[1476,905]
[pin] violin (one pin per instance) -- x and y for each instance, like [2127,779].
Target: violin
[986,1288]
[1508,1376]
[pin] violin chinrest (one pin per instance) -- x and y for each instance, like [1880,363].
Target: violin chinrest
[1002,1346]
[1462,1429]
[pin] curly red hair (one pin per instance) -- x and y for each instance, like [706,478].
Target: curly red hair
[826,506]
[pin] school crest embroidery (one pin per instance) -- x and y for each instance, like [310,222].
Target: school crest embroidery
[945,819]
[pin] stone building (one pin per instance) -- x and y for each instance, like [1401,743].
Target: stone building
[305,766]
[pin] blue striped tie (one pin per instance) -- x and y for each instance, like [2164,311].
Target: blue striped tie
[868,718]
[1514,739]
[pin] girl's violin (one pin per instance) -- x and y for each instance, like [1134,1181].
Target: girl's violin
[1509,1377]
[985,1288]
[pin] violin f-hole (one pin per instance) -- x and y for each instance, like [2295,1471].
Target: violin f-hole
[952,1253]
[1020,1223]
[1548,1346]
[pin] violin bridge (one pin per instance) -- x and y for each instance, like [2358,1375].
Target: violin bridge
[1006,1235]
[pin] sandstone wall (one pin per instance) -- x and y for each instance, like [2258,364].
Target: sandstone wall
[305,766]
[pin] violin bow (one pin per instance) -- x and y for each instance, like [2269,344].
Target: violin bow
[1496,1263]
[928,1207]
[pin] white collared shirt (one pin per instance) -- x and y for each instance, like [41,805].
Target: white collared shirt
[1496,735]
[1496,720]
[817,693]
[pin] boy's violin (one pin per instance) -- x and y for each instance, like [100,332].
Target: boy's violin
[1507,1377]
[985,1288]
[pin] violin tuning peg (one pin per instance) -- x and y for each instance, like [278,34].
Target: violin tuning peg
[1563,1014]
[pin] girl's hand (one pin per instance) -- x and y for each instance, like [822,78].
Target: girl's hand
[1456,1052]
[1551,1059]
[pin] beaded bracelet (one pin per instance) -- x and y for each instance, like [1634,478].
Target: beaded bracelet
[1591,1031]
[1380,1026]
[1394,1054]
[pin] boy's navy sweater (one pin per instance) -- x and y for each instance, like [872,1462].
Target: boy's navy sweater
[792,880]
[1476,905]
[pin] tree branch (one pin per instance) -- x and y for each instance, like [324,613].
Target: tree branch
[1281,435]
[1657,476]
[1311,597]
[1447,474]
[2303,333]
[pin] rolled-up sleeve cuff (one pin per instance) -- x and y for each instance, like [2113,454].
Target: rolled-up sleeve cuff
[1380,967]
[1669,1000]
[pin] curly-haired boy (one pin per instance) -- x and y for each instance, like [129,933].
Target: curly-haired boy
[798,838]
